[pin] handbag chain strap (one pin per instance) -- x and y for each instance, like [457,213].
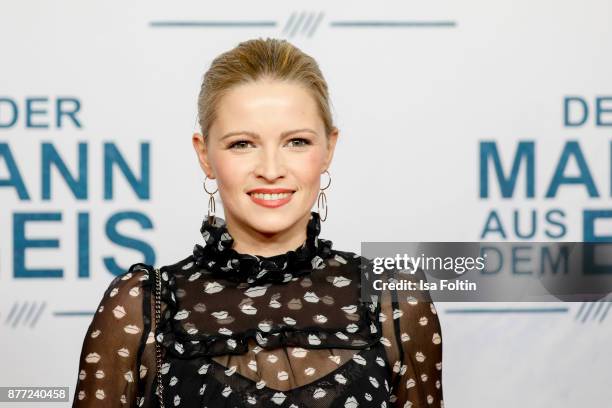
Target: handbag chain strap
[158,357]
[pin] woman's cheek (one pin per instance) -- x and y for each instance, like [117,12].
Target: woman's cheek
[230,171]
[313,162]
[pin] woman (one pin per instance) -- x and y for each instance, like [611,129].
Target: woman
[266,313]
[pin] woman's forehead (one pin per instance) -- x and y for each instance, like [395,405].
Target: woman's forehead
[266,109]
[259,97]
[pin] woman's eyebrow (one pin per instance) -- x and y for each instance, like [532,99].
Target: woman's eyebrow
[255,135]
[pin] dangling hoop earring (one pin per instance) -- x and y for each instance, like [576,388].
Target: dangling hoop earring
[211,203]
[322,198]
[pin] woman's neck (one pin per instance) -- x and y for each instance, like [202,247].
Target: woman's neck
[250,241]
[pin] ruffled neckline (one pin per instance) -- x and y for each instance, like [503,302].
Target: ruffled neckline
[223,261]
[219,299]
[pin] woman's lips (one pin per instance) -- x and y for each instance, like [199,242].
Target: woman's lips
[271,200]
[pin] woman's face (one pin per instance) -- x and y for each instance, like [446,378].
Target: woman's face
[266,149]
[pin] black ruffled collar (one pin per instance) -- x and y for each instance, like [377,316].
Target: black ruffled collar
[208,314]
[221,260]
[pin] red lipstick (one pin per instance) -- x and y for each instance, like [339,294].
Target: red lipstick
[271,197]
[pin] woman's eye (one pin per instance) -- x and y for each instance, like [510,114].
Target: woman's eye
[298,141]
[241,144]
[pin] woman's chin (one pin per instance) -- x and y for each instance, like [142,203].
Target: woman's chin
[270,221]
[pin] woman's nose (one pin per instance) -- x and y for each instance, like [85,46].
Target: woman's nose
[270,165]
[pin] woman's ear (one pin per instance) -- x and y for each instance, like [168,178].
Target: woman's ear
[332,138]
[199,145]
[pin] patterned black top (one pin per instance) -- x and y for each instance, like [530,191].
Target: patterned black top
[238,330]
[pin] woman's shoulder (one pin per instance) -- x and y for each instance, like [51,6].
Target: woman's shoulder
[181,265]
[345,257]
[350,256]
[142,274]
[120,313]
[127,285]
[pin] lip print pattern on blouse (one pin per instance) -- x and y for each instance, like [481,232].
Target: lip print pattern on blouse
[215,311]
[362,380]
[411,344]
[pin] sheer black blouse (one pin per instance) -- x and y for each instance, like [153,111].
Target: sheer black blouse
[243,330]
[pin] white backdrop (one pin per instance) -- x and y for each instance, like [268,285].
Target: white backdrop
[413,103]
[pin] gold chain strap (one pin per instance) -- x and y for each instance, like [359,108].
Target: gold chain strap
[158,357]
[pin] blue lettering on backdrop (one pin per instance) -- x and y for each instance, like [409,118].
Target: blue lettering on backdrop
[83,242]
[31,111]
[14,112]
[21,243]
[70,111]
[522,259]
[14,179]
[127,242]
[524,152]
[580,110]
[572,149]
[78,185]
[36,108]
[576,113]
[562,259]
[600,110]
[588,225]
[516,259]
[533,224]
[569,101]
[42,113]
[112,156]
[561,225]
[524,161]
[588,259]
[493,224]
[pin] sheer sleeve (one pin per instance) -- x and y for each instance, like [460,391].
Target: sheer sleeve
[417,358]
[109,365]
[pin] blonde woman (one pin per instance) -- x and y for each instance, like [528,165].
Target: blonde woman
[265,313]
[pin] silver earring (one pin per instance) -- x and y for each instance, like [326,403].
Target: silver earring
[322,198]
[211,202]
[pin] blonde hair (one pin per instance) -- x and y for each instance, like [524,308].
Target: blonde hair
[258,59]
